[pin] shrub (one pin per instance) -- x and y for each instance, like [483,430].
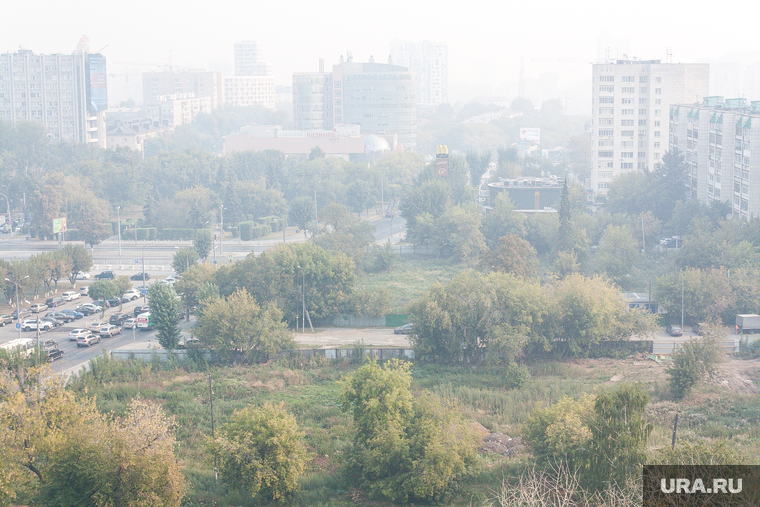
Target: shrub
[246,230]
[695,361]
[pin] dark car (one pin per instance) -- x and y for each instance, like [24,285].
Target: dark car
[102,303]
[139,276]
[113,302]
[674,330]
[53,302]
[105,275]
[53,354]
[60,317]
[24,313]
[118,319]
[73,313]
[54,322]
[5,319]
[88,309]
[140,309]
[701,328]
[405,329]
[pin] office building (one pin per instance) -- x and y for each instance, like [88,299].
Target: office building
[178,109]
[380,98]
[631,100]
[200,83]
[249,61]
[249,90]
[343,142]
[67,94]
[429,61]
[722,151]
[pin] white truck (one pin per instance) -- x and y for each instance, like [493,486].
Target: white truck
[747,323]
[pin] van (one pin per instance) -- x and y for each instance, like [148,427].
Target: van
[70,295]
[144,322]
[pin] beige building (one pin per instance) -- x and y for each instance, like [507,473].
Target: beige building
[199,83]
[249,90]
[133,133]
[178,109]
[631,101]
[341,142]
[249,60]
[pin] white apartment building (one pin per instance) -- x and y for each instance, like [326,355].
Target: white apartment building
[631,101]
[249,90]
[67,94]
[717,140]
[200,83]
[249,60]
[429,61]
[178,109]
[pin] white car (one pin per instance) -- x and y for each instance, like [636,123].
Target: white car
[84,290]
[31,325]
[83,276]
[131,294]
[76,333]
[70,295]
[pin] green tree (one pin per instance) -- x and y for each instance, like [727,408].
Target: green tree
[478,163]
[165,313]
[695,361]
[189,285]
[458,231]
[302,213]
[80,259]
[239,327]
[260,451]
[564,237]
[618,252]
[123,284]
[502,220]
[432,196]
[511,255]
[94,231]
[183,259]
[358,194]
[703,294]
[316,153]
[104,289]
[203,242]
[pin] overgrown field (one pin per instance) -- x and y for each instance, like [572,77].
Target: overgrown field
[485,395]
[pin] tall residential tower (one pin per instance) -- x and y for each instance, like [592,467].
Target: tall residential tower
[429,61]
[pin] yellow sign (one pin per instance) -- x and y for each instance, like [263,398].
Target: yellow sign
[59,225]
[442,151]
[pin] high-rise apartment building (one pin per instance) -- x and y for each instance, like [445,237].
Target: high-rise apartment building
[722,151]
[429,61]
[249,61]
[199,83]
[176,110]
[67,94]
[249,91]
[380,98]
[631,101]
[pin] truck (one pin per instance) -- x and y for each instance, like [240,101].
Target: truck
[144,322]
[747,323]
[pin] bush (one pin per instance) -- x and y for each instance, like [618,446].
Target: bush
[695,361]
[176,234]
[246,230]
[142,233]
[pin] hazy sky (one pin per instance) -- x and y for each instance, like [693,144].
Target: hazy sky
[486,38]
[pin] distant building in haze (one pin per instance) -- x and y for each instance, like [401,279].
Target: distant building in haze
[253,82]
[381,98]
[722,151]
[66,94]
[198,82]
[249,61]
[178,109]
[429,61]
[631,100]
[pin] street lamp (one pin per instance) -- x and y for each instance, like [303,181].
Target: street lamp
[10,220]
[18,308]
[303,300]
[118,226]
[221,227]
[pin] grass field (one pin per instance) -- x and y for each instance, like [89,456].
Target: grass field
[310,392]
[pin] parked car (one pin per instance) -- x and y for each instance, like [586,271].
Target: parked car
[88,310]
[53,354]
[70,295]
[131,295]
[105,275]
[170,280]
[674,330]
[405,329]
[31,325]
[95,326]
[139,276]
[53,302]
[84,291]
[141,309]
[189,343]
[101,303]
[24,312]
[5,319]
[113,302]
[64,317]
[38,307]
[108,331]
[73,313]
[51,320]
[83,276]
[118,319]
[88,340]
[701,328]
[76,333]
[50,344]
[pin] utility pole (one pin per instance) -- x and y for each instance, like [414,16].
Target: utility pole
[221,226]
[18,308]
[681,299]
[303,300]
[118,226]
[643,238]
[316,215]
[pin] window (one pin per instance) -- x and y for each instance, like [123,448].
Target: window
[628,79]
[656,133]
[642,133]
[605,142]
[605,175]
[626,144]
[642,101]
[627,154]
[603,186]
[657,123]
[657,154]
[642,154]
[643,111]
[658,101]
[626,165]
[628,89]
[627,101]
[657,145]
[605,132]
[658,80]
[627,133]
[606,110]
[607,79]
[627,111]
[626,123]
[606,89]
[641,165]
[606,100]
[605,122]
[643,79]
[642,123]
[658,91]
[642,89]
[605,154]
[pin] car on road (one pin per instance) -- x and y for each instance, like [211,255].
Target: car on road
[53,302]
[189,343]
[674,330]
[83,276]
[118,319]
[76,333]
[38,307]
[73,313]
[141,309]
[95,326]
[53,321]
[31,325]
[66,318]
[113,302]
[405,329]
[700,328]
[24,312]
[105,275]
[70,295]
[108,331]
[139,276]
[5,319]
[130,323]
[88,309]
[84,291]
[88,340]
[53,354]
[50,344]
[131,295]
[170,280]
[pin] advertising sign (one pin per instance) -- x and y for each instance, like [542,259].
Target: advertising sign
[59,225]
[530,135]
[97,86]
[442,160]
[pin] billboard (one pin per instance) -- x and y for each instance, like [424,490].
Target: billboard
[97,84]
[530,135]
[59,225]
[442,160]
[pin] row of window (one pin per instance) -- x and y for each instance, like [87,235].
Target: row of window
[628,89]
[629,79]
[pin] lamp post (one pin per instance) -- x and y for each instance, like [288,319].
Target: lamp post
[143,271]
[18,308]
[118,226]
[221,227]
[10,220]
[303,300]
